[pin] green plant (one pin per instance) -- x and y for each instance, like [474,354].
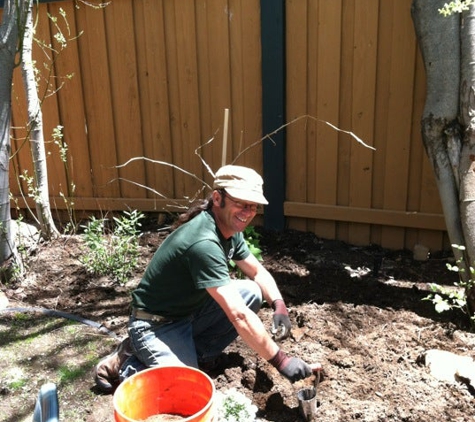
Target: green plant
[447,299]
[252,238]
[112,252]
[16,378]
[68,197]
[233,406]
[253,241]
[457,6]
[69,374]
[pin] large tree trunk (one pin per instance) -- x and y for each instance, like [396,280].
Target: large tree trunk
[8,49]
[467,158]
[439,41]
[448,122]
[35,126]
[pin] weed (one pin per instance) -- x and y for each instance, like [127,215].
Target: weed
[447,299]
[252,238]
[233,406]
[68,198]
[253,241]
[19,316]
[69,374]
[457,6]
[115,252]
[16,379]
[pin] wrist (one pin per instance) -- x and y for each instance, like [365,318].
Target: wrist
[279,360]
[279,307]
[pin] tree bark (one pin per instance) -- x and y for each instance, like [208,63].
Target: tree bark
[467,158]
[36,136]
[439,41]
[8,50]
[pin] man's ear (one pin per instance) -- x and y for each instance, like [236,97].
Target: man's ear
[216,198]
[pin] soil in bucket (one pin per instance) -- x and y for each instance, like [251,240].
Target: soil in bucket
[164,418]
[168,393]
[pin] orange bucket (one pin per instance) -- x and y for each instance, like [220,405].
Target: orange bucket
[171,390]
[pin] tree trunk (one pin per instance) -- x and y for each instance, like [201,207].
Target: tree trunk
[467,158]
[35,125]
[439,41]
[8,49]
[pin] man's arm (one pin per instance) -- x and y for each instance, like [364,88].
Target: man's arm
[247,323]
[251,329]
[281,326]
[254,270]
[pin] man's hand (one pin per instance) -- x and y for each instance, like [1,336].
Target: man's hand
[294,369]
[281,325]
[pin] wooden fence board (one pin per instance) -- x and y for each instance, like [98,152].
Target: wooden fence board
[98,101]
[327,109]
[71,104]
[213,19]
[385,33]
[125,104]
[366,215]
[246,83]
[313,142]
[185,97]
[346,101]
[153,83]
[363,87]
[399,107]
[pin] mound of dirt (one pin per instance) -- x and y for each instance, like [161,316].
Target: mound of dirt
[357,310]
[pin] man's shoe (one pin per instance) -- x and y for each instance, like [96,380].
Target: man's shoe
[106,373]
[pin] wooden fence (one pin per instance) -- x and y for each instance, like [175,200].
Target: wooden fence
[356,64]
[152,78]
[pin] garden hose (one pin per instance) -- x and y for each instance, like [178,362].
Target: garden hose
[61,314]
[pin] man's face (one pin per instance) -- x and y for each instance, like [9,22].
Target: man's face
[232,215]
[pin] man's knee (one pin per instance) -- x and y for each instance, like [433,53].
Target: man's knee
[252,294]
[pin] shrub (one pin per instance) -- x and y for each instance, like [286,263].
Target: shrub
[252,238]
[112,252]
[447,299]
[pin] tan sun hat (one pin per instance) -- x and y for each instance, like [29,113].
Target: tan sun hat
[241,183]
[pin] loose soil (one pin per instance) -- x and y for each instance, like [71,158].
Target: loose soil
[357,310]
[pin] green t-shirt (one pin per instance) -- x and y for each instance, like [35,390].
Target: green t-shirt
[192,258]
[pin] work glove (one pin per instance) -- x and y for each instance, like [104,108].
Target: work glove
[294,369]
[281,325]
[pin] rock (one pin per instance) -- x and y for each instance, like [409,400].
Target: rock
[449,367]
[3,300]
[26,235]
[421,253]
[299,333]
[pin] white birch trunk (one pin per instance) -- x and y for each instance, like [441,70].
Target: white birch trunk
[8,50]
[35,126]
[467,158]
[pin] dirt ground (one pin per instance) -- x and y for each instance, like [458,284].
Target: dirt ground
[356,310]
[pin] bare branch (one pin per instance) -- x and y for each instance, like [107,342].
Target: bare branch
[194,176]
[306,116]
[208,168]
[174,204]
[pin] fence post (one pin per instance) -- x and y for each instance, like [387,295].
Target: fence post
[273,109]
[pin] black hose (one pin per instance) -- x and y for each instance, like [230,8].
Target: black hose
[61,314]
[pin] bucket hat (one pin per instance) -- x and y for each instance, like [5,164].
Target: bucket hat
[241,183]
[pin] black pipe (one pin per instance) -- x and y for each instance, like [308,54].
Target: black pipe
[60,314]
